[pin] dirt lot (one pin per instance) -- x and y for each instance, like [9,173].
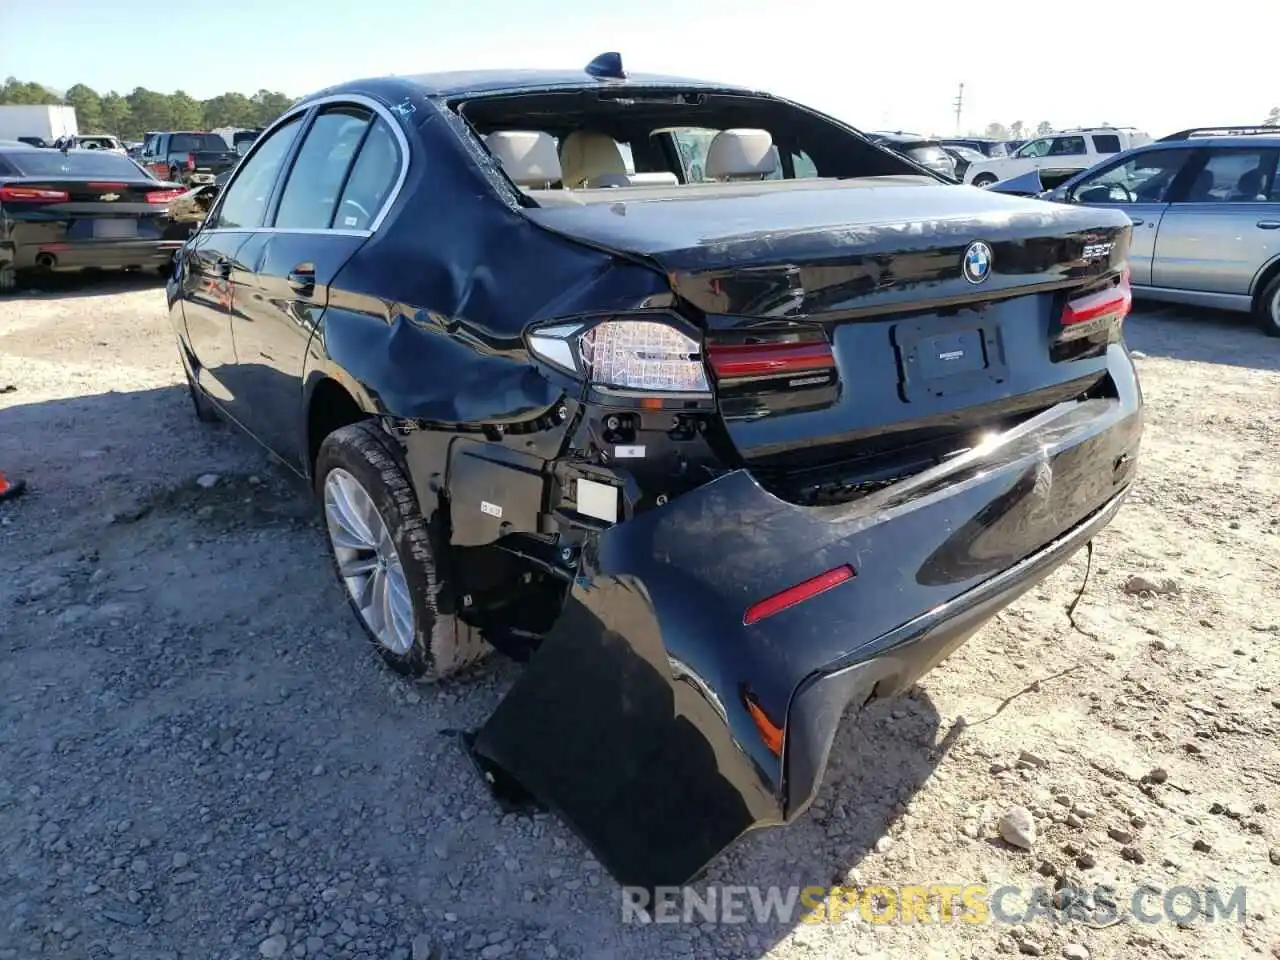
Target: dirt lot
[200,759]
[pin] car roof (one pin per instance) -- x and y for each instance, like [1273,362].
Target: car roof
[462,82]
[1265,142]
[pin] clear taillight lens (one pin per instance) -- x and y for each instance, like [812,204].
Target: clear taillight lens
[641,355]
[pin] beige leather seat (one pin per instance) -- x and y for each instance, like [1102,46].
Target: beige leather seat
[591,159]
[741,155]
[528,156]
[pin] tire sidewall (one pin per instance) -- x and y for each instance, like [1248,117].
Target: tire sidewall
[1268,307]
[415,553]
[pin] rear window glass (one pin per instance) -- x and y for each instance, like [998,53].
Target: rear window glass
[74,163]
[196,143]
[1106,142]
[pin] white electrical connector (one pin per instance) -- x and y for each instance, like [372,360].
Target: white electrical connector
[598,500]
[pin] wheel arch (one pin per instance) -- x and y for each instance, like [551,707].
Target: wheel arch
[1262,279]
[332,400]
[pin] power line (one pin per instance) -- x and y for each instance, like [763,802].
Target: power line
[958,103]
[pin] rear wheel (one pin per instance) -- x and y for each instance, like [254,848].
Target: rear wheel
[1268,308]
[984,180]
[387,558]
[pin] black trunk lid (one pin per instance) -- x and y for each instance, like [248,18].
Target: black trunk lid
[923,359]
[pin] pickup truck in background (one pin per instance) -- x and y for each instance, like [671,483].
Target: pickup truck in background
[187,157]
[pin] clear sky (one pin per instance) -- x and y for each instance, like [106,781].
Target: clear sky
[1160,66]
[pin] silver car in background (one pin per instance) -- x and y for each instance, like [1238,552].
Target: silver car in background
[1205,206]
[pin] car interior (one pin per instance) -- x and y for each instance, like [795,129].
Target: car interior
[574,147]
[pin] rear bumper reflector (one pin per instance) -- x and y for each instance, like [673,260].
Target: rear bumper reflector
[798,594]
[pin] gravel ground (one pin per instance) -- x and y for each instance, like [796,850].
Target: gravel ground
[199,758]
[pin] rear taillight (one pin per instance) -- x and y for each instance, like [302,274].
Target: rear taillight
[16,194]
[742,361]
[191,161]
[1097,311]
[645,353]
[163,196]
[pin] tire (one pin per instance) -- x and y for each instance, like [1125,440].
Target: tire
[984,180]
[206,412]
[437,644]
[1267,309]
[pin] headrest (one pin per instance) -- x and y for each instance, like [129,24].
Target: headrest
[740,153]
[528,156]
[585,157]
[636,180]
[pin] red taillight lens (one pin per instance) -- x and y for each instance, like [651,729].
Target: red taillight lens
[163,196]
[191,161]
[734,361]
[16,194]
[1112,304]
[797,594]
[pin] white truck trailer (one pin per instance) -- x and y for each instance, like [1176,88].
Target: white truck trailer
[47,122]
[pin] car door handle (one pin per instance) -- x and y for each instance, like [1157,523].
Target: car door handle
[1269,224]
[303,277]
[1137,221]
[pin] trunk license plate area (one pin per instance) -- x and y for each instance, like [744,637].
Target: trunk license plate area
[942,356]
[115,229]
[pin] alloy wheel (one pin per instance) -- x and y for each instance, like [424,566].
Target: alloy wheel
[368,563]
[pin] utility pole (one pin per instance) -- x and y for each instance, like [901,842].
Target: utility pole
[958,103]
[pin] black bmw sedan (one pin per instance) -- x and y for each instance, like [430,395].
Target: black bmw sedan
[720,415]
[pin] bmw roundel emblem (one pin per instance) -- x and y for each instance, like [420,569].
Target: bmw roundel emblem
[976,265]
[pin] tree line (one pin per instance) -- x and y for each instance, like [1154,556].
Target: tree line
[1020,131]
[133,114]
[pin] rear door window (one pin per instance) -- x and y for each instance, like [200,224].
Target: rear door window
[1234,176]
[1067,147]
[244,205]
[374,175]
[1106,143]
[311,193]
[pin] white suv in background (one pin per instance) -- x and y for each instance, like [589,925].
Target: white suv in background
[1058,156]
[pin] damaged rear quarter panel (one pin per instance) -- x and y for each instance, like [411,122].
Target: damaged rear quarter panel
[425,323]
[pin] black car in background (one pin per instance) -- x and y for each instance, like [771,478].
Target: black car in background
[75,209]
[984,145]
[719,455]
[926,151]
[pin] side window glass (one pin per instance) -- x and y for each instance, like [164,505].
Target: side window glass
[245,203]
[1233,176]
[311,193]
[372,179]
[804,167]
[1036,148]
[1143,178]
[1106,143]
[1067,147]
[692,142]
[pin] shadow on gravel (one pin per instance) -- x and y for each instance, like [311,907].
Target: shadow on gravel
[88,283]
[199,753]
[1201,335]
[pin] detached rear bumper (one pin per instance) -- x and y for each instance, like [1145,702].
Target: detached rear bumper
[661,726]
